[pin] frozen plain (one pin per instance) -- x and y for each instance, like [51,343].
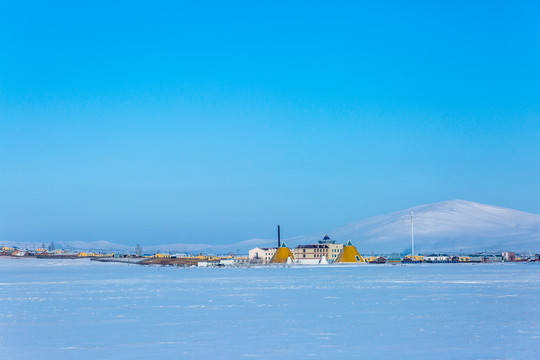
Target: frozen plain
[80,309]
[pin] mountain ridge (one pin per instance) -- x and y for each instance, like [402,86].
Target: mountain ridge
[453,226]
[445,226]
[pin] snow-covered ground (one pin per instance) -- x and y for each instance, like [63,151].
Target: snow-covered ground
[79,309]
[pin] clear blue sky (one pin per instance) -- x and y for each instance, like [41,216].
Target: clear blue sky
[166,121]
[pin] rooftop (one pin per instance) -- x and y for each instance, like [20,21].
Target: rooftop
[315,246]
[326,240]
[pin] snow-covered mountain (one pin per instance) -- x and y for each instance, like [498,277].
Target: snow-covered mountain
[447,226]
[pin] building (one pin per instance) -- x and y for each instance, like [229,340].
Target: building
[394,258]
[349,254]
[509,256]
[415,259]
[262,255]
[326,248]
[241,260]
[316,251]
[490,258]
[437,258]
[226,262]
[476,258]
[282,255]
[333,249]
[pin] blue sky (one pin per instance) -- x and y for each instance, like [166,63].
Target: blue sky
[166,122]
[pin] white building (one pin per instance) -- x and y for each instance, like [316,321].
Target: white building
[436,258]
[262,254]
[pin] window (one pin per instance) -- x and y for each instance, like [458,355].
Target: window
[357,258]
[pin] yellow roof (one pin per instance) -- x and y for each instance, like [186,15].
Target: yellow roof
[281,255]
[159,255]
[349,254]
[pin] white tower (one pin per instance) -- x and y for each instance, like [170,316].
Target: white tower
[412,231]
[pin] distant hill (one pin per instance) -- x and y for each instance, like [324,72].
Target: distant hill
[455,225]
[447,226]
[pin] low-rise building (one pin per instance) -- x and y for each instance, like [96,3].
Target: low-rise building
[326,248]
[490,258]
[226,262]
[509,256]
[315,251]
[476,258]
[261,254]
[393,258]
[370,259]
[239,260]
[413,259]
[437,258]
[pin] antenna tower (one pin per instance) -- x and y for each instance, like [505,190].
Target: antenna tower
[412,231]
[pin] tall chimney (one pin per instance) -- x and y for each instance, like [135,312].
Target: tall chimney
[278,237]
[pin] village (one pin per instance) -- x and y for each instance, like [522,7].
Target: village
[325,252]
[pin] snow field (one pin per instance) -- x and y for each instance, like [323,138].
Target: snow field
[79,309]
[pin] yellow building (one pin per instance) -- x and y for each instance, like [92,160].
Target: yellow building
[372,258]
[464,259]
[349,254]
[413,258]
[282,254]
[162,256]
[85,254]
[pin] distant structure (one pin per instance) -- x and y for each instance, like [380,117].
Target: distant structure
[326,248]
[278,237]
[349,254]
[261,255]
[326,240]
[282,254]
[509,256]
[412,231]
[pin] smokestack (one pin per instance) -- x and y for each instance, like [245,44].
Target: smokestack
[278,237]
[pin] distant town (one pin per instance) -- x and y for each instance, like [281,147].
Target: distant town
[326,251]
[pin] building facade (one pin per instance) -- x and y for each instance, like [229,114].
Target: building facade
[509,256]
[437,258]
[326,247]
[311,251]
[261,254]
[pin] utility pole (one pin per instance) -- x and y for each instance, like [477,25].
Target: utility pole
[412,231]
